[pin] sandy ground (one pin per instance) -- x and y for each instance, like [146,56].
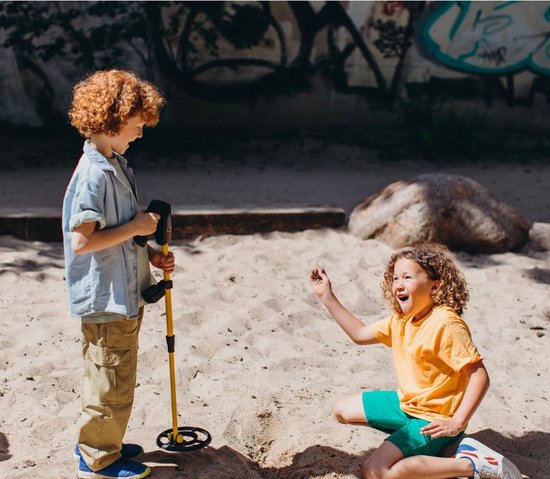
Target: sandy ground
[259,362]
[287,175]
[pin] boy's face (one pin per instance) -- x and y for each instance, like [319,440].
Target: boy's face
[129,132]
[412,289]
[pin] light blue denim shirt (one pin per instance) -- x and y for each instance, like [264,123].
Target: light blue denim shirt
[104,281]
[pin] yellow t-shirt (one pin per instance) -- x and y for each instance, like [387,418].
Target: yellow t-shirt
[429,354]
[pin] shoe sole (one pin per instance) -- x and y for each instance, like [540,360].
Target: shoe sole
[76,456]
[95,475]
[509,470]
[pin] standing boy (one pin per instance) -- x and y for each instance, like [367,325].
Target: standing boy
[106,270]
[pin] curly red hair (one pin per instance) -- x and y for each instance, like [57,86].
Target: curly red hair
[103,102]
[440,265]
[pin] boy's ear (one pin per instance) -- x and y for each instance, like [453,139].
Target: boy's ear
[436,285]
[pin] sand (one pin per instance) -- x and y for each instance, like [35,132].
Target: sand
[259,362]
[279,174]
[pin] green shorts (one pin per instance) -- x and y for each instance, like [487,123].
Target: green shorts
[383,412]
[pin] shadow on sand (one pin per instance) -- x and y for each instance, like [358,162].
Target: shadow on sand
[225,462]
[4,447]
[529,452]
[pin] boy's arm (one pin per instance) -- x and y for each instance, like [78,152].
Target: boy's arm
[86,238]
[359,332]
[475,391]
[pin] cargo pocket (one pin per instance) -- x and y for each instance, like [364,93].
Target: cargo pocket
[110,374]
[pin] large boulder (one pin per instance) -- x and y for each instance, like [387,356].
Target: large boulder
[450,209]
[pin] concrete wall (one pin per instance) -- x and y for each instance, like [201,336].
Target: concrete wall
[323,64]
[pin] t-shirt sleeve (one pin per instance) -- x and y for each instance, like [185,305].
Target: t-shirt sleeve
[382,331]
[456,346]
[88,204]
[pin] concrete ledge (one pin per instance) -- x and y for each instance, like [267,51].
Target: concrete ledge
[32,224]
[44,224]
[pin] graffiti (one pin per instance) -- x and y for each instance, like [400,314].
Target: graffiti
[393,8]
[490,37]
[497,56]
[205,72]
[367,47]
[229,51]
[391,41]
[267,69]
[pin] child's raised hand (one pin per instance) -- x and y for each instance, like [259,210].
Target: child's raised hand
[320,283]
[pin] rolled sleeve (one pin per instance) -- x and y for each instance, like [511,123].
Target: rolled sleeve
[87,217]
[458,349]
[88,205]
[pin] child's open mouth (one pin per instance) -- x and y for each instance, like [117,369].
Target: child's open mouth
[402,298]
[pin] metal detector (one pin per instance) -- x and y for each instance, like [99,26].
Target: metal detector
[183,438]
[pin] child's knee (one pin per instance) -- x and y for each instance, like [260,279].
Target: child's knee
[339,411]
[349,410]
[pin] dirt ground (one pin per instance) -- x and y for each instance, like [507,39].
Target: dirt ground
[259,362]
[266,173]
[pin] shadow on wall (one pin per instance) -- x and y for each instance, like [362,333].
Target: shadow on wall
[4,448]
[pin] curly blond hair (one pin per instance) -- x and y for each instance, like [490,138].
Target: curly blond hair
[440,265]
[103,102]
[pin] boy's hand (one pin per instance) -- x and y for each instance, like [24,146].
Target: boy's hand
[441,427]
[165,263]
[320,283]
[145,223]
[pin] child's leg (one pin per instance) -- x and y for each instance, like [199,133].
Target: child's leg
[349,410]
[387,462]
[110,362]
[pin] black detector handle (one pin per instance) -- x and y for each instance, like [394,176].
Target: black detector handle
[163,233]
[155,292]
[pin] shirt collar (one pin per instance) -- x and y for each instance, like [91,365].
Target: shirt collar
[123,161]
[99,159]
[96,156]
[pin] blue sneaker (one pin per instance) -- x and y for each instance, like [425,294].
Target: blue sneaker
[128,451]
[120,469]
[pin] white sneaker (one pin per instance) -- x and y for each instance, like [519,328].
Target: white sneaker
[488,464]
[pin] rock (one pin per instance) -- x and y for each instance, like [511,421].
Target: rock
[450,209]
[539,237]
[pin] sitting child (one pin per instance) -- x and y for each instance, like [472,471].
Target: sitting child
[441,375]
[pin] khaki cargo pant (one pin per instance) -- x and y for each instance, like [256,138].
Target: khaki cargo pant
[110,365]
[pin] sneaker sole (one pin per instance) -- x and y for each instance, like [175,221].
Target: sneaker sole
[509,470]
[76,456]
[95,475]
